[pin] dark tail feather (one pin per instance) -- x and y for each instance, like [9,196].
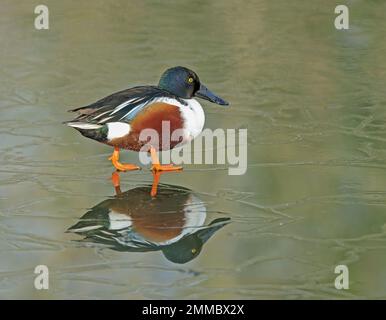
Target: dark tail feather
[90,130]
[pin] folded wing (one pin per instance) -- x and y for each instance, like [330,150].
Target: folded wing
[121,106]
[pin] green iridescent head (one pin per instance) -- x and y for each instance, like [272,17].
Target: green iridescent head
[185,83]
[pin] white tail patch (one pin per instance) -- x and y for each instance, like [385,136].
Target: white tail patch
[83,125]
[117,130]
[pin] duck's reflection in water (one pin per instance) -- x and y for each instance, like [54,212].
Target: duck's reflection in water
[174,222]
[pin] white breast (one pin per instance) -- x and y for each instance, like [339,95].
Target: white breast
[194,118]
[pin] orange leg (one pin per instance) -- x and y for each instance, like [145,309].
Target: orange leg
[157,167]
[154,187]
[120,166]
[116,182]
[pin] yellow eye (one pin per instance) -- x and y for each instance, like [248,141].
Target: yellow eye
[194,250]
[190,80]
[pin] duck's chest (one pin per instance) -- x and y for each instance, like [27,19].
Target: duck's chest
[193,118]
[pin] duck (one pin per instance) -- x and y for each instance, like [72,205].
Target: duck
[118,119]
[175,223]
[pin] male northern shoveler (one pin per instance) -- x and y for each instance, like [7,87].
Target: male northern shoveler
[118,119]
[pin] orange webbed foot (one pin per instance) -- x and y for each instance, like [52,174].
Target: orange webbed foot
[157,167]
[120,166]
[163,168]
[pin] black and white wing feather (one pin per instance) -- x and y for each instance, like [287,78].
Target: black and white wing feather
[121,106]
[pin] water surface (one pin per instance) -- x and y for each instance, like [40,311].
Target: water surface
[312,98]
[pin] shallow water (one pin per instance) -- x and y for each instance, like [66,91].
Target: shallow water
[312,98]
